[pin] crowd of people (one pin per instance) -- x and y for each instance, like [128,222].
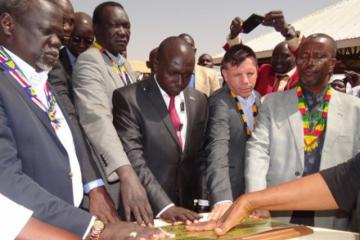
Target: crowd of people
[86,148]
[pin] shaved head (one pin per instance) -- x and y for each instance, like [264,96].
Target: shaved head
[175,65]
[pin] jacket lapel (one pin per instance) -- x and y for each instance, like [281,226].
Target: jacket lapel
[157,101]
[40,114]
[68,121]
[295,121]
[190,106]
[335,116]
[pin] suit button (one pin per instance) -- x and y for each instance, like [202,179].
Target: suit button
[297,173]
[71,174]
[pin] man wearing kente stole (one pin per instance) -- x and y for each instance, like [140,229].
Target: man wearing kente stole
[304,130]
[97,73]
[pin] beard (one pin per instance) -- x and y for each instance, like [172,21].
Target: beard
[47,59]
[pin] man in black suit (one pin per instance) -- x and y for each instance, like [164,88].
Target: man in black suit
[161,123]
[42,161]
[232,112]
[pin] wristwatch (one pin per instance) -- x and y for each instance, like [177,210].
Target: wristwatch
[97,228]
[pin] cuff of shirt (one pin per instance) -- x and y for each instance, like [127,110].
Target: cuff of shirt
[164,209]
[224,201]
[294,43]
[234,41]
[89,227]
[93,184]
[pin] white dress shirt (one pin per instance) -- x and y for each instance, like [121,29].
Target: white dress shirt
[14,218]
[38,82]
[181,111]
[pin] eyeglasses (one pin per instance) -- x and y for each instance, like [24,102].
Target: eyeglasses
[78,40]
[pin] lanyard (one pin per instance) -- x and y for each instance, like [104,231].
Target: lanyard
[119,70]
[49,107]
[243,116]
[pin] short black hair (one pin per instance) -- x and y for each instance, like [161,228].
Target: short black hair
[236,55]
[97,15]
[330,39]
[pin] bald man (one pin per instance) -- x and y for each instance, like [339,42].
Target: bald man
[161,123]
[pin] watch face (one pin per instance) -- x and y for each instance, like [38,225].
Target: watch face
[99,225]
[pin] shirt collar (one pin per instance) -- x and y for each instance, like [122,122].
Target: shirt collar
[250,100]
[35,78]
[117,59]
[165,96]
[312,98]
[288,74]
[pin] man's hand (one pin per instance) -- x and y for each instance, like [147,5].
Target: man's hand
[219,210]
[174,214]
[236,27]
[134,197]
[260,214]
[276,20]
[352,77]
[124,230]
[232,217]
[102,206]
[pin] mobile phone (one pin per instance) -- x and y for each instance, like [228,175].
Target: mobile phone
[252,22]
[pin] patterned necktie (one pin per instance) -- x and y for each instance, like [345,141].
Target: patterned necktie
[175,119]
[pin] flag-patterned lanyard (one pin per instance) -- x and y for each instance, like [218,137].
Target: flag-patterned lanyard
[121,71]
[243,116]
[312,131]
[50,107]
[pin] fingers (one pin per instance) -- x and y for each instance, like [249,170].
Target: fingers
[137,215]
[127,212]
[223,227]
[202,226]
[215,214]
[147,215]
[274,18]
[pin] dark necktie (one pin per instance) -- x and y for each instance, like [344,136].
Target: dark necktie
[175,119]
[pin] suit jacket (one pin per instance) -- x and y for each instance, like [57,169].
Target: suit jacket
[60,81]
[149,139]
[206,80]
[225,147]
[266,80]
[65,61]
[34,165]
[275,152]
[60,78]
[94,81]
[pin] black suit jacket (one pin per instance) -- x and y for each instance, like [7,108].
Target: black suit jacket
[34,165]
[225,147]
[149,139]
[60,78]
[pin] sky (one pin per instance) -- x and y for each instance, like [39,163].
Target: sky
[207,21]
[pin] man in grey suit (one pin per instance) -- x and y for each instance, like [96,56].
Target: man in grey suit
[42,163]
[232,112]
[97,73]
[304,130]
[161,123]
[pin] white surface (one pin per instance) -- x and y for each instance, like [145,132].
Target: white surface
[329,234]
[14,217]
